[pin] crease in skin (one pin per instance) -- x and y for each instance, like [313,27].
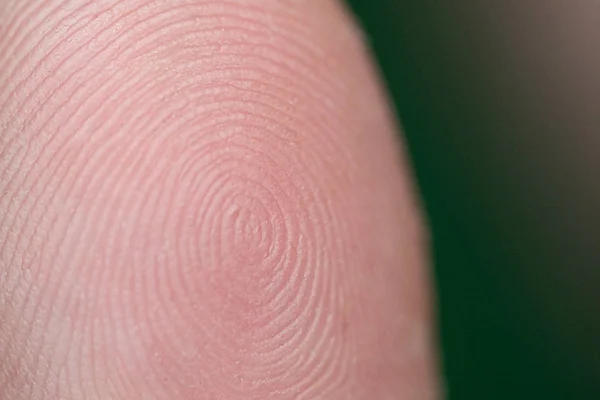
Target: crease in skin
[202,200]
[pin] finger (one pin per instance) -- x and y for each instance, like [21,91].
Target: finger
[203,200]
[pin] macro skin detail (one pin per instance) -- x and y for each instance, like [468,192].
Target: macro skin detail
[202,199]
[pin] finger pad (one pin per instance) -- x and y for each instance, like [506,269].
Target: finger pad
[219,204]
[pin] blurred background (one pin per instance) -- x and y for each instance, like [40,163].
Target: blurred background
[500,104]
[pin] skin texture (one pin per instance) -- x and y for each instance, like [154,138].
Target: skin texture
[203,199]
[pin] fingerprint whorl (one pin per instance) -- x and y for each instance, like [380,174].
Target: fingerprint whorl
[241,231]
[251,267]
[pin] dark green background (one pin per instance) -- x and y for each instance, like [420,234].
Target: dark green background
[505,162]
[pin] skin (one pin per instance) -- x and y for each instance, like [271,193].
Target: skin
[204,200]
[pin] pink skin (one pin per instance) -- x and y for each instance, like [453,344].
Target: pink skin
[203,199]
